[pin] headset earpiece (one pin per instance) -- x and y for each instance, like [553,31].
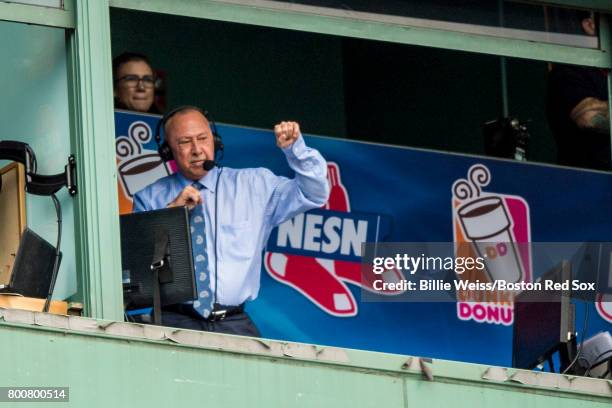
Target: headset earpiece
[165,152]
[218,144]
[163,149]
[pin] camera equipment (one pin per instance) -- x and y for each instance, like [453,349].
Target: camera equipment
[506,138]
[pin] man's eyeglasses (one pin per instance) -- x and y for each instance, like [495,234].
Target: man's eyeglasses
[132,81]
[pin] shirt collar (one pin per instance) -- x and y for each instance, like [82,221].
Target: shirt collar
[208,181]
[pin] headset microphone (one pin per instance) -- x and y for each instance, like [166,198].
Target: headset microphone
[209,164]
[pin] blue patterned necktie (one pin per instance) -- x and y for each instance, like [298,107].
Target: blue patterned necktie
[203,304]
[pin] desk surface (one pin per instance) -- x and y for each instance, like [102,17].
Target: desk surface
[33,304]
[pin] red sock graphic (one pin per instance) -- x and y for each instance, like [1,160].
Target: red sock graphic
[314,280]
[319,279]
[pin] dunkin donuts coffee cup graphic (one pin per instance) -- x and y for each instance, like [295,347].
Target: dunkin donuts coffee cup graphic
[496,228]
[486,223]
[137,167]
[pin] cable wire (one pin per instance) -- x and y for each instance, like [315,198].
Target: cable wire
[58,211]
[584,330]
[216,232]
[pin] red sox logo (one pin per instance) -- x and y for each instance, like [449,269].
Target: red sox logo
[339,232]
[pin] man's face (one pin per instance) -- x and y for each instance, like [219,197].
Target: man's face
[134,86]
[190,138]
[589,27]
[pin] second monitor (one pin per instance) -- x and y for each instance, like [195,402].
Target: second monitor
[157,243]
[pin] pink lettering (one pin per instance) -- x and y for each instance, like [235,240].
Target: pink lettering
[493,313]
[507,315]
[485,313]
[479,312]
[464,310]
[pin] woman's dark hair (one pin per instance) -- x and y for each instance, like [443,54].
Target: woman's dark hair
[126,57]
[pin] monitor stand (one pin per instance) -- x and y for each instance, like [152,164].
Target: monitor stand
[162,272]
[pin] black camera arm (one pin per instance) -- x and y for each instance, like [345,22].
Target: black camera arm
[38,184]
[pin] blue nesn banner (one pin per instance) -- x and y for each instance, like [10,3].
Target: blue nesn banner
[311,286]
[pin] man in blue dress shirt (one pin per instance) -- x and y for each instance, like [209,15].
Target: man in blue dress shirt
[251,202]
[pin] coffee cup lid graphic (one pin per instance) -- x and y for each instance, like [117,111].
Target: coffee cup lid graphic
[138,172]
[484,218]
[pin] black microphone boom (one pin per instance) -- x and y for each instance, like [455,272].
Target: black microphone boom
[209,164]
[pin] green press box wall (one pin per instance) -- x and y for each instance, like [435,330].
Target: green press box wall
[107,371]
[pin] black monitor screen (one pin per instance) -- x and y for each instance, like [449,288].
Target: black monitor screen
[138,241]
[33,267]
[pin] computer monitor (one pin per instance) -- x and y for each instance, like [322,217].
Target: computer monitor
[161,239]
[33,268]
[544,323]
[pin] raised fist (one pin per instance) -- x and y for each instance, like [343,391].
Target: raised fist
[286,133]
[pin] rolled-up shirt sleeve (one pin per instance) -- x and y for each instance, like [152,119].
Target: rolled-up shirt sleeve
[308,189]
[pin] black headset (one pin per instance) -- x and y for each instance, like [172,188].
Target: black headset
[164,150]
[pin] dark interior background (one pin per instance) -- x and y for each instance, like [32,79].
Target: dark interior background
[340,87]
